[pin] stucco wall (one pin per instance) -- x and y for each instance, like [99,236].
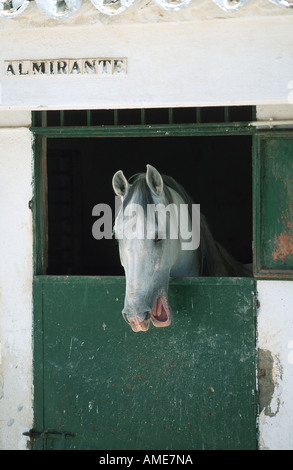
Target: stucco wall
[212,58]
[275,343]
[15,287]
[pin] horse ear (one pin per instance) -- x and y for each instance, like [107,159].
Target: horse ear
[120,183]
[154,180]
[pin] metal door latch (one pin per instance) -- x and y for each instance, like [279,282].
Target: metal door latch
[33,434]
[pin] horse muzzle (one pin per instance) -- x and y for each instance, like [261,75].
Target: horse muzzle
[160,316]
[139,322]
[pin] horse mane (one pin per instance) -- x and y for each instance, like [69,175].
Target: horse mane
[214,259]
[207,252]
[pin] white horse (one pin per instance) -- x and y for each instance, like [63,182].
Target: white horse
[150,257]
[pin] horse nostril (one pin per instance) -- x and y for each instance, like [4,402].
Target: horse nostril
[125,318]
[147,315]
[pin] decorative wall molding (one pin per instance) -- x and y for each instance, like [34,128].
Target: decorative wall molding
[62,9]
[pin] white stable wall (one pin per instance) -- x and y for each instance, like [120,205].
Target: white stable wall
[16,242]
[275,337]
[212,58]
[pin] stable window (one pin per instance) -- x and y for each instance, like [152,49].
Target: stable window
[208,151]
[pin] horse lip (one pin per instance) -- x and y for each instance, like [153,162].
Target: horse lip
[161,315]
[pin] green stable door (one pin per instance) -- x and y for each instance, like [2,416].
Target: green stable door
[101,386]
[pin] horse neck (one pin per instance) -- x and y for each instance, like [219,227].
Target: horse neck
[187,263]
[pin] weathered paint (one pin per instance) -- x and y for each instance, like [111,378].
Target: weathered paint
[274,204]
[283,170]
[267,382]
[283,245]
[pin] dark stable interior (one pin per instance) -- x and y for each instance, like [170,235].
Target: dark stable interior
[215,171]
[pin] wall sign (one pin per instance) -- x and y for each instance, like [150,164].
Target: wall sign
[58,67]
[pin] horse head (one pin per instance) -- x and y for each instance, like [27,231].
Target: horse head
[146,253]
[152,248]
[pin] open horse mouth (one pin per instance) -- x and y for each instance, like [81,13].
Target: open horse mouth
[161,315]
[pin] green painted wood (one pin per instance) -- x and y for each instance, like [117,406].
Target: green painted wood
[38,363]
[37,205]
[188,386]
[146,130]
[274,205]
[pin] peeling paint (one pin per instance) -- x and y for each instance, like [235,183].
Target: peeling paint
[283,245]
[269,370]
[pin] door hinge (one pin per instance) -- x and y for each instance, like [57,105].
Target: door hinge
[33,434]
